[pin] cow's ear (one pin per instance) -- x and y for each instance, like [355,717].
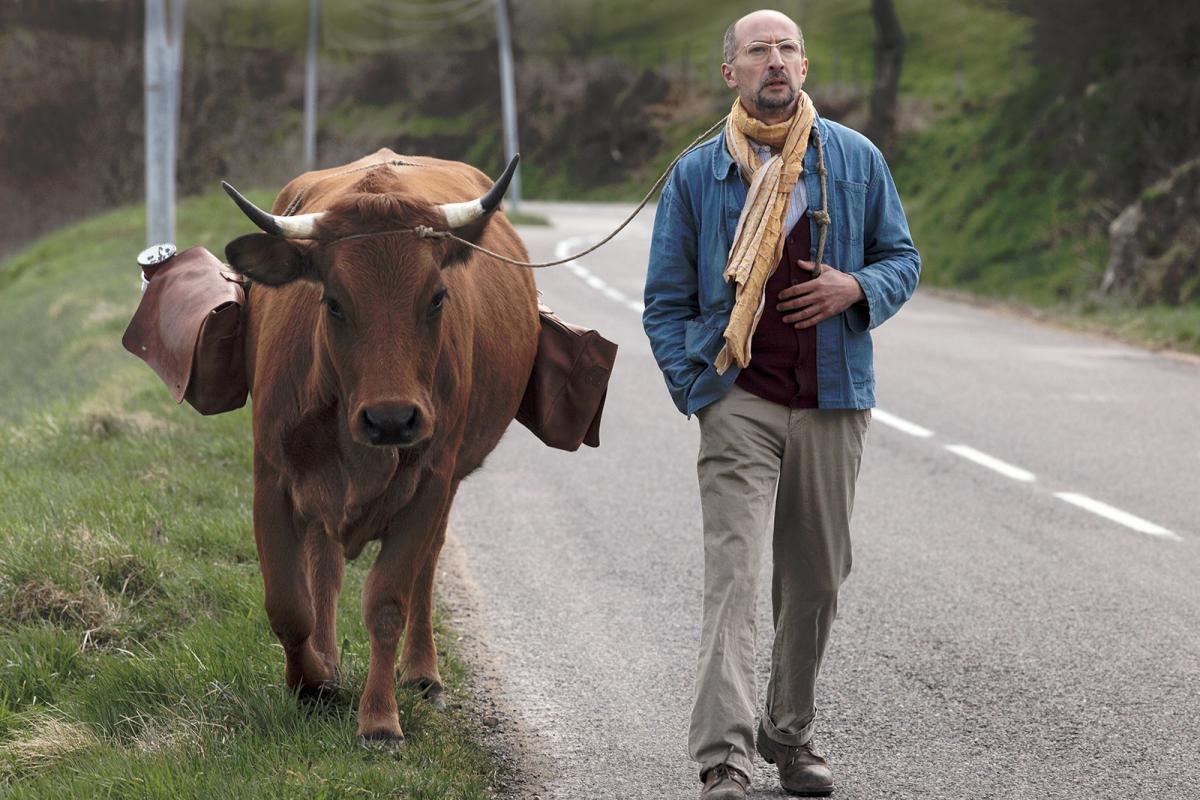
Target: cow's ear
[270,260]
[456,251]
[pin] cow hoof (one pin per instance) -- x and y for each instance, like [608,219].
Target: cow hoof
[325,694]
[432,691]
[381,740]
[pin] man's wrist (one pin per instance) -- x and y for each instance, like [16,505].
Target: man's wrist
[860,293]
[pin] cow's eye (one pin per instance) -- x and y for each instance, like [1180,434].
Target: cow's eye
[439,298]
[333,307]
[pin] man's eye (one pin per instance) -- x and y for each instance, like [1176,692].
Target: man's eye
[789,49]
[333,307]
[757,50]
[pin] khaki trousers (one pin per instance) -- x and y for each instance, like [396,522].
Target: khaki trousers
[807,460]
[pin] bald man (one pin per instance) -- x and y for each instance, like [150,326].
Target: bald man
[769,346]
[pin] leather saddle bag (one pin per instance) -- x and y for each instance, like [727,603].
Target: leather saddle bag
[565,395]
[188,328]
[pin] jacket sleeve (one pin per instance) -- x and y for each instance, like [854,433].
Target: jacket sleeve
[672,295]
[891,264]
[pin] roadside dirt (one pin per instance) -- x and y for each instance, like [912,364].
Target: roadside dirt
[524,769]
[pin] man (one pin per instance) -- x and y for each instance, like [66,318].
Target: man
[772,353]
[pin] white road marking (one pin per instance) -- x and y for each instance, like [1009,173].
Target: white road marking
[563,248]
[992,463]
[892,421]
[1116,515]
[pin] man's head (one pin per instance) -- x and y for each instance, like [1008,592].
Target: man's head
[765,64]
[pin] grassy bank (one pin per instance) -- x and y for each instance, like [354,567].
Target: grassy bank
[992,221]
[136,657]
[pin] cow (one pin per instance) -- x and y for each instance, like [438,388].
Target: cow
[384,365]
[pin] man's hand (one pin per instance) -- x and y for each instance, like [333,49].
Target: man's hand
[831,292]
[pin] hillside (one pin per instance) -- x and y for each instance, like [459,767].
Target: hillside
[1006,158]
[607,89]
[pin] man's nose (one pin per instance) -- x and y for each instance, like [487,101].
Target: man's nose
[775,60]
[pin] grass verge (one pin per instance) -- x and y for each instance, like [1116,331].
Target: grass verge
[526,218]
[135,656]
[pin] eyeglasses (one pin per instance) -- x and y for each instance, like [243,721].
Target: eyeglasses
[760,52]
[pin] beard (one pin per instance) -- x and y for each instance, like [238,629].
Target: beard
[763,100]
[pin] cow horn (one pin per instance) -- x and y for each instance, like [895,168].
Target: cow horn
[303,226]
[460,214]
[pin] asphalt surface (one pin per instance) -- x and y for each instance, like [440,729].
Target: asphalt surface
[1000,636]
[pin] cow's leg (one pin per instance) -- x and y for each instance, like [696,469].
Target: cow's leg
[387,599]
[418,660]
[326,565]
[287,599]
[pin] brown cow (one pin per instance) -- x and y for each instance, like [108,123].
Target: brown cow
[383,370]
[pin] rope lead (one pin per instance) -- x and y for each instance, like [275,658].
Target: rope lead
[821,216]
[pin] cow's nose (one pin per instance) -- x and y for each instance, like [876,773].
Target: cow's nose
[394,425]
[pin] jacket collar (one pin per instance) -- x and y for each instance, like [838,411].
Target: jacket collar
[723,163]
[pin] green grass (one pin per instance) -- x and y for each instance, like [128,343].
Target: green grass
[526,218]
[994,215]
[1174,328]
[135,656]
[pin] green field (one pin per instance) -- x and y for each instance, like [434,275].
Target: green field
[135,656]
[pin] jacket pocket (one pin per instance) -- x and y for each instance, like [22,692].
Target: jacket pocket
[849,210]
[699,340]
[860,360]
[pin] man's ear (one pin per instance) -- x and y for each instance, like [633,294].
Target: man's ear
[270,260]
[727,75]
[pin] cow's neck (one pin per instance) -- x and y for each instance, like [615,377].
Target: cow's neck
[345,485]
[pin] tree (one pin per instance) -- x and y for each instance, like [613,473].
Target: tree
[889,57]
[1116,93]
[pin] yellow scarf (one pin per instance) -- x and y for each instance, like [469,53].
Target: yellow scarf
[758,242]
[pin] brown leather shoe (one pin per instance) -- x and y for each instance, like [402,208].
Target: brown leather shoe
[723,782]
[802,770]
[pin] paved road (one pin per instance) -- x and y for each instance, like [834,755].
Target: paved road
[1023,619]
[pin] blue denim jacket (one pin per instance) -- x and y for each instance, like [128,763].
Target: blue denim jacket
[688,302]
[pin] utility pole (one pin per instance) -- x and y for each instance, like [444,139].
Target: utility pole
[163,68]
[508,100]
[310,87]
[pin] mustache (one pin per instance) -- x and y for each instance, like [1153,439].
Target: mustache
[773,76]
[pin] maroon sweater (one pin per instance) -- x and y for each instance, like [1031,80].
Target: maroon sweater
[783,359]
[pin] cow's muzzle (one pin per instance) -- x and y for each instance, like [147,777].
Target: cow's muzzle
[394,425]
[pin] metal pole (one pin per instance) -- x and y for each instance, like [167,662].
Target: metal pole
[163,62]
[175,91]
[160,219]
[310,87]
[508,100]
